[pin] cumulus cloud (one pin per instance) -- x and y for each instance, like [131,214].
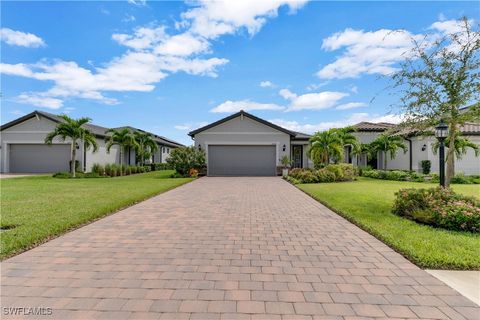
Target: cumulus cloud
[246,105]
[370,52]
[40,101]
[190,126]
[312,101]
[266,84]
[351,105]
[153,53]
[350,120]
[19,38]
[138,2]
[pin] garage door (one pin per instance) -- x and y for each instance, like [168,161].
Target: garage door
[228,160]
[39,158]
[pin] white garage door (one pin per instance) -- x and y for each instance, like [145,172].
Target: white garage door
[241,160]
[39,158]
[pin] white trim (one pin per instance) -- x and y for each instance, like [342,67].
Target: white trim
[277,133]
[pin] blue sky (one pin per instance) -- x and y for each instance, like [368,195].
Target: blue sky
[169,67]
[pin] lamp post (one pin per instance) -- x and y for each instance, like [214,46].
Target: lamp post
[441,133]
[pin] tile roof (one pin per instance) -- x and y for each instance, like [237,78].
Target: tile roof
[370,126]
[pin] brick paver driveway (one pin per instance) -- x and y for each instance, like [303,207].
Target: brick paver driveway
[225,248]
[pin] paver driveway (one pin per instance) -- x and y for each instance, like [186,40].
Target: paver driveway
[225,248]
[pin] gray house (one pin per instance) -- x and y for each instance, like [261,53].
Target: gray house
[419,147]
[22,147]
[243,144]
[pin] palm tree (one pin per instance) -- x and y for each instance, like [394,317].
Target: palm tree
[324,146]
[347,138]
[146,145]
[123,138]
[461,146]
[73,129]
[388,143]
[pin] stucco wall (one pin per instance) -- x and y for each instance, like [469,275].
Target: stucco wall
[244,131]
[101,156]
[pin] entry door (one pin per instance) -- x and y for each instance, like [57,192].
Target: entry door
[297,156]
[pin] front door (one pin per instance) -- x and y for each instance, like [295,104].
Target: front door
[297,151]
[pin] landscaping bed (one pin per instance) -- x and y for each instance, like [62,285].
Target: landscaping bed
[36,209]
[368,203]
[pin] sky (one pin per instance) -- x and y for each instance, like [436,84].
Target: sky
[169,67]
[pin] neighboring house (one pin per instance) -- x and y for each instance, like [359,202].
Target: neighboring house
[419,147]
[243,144]
[23,150]
[160,156]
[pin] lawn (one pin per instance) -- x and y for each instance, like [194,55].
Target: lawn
[368,202]
[43,207]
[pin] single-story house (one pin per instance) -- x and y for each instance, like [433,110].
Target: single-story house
[23,150]
[245,145]
[419,147]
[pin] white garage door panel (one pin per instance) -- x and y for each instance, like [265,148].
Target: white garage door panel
[39,158]
[241,160]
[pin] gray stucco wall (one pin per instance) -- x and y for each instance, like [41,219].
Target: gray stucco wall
[35,130]
[244,131]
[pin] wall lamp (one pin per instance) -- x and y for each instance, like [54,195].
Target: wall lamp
[424,147]
[199,147]
[284,148]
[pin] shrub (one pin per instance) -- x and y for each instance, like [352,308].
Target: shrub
[461,178]
[396,175]
[361,169]
[98,169]
[162,166]
[62,175]
[439,207]
[147,168]
[186,158]
[426,166]
[108,170]
[193,173]
[330,173]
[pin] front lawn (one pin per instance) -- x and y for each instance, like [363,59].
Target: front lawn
[368,202]
[42,207]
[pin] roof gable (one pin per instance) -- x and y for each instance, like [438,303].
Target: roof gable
[241,114]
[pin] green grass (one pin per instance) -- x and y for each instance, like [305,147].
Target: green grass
[43,207]
[368,203]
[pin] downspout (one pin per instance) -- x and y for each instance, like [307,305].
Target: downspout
[410,151]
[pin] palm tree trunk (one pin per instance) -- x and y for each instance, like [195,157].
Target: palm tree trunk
[121,159]
[72,159]
[385,161]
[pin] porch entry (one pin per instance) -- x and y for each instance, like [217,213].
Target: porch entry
[297,156]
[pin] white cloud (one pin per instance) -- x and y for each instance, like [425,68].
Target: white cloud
[22,39]
[316,86]
[351,105]
[266,84]
[153,54]
[190,126]
[370,52]
[354,89]
[138,2]
[312,101]
[246,105]
[39,101]
[211,19]
[350,120]
[129,18]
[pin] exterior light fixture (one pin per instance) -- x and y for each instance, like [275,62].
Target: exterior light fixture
[441,133]
[424,147]
[284,148]
[199,147]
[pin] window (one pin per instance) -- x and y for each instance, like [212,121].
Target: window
[163,149]
[168,150]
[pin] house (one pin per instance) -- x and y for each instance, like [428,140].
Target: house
[23,150]
[419,147]
[245,145]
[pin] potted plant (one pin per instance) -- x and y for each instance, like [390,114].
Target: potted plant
[285,161]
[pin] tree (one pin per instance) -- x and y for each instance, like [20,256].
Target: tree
[347,138]
[387,143]
[461,146]
[438,79]
[186,158]
[123,138]
[73,129]
[146,146]
[324,146]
